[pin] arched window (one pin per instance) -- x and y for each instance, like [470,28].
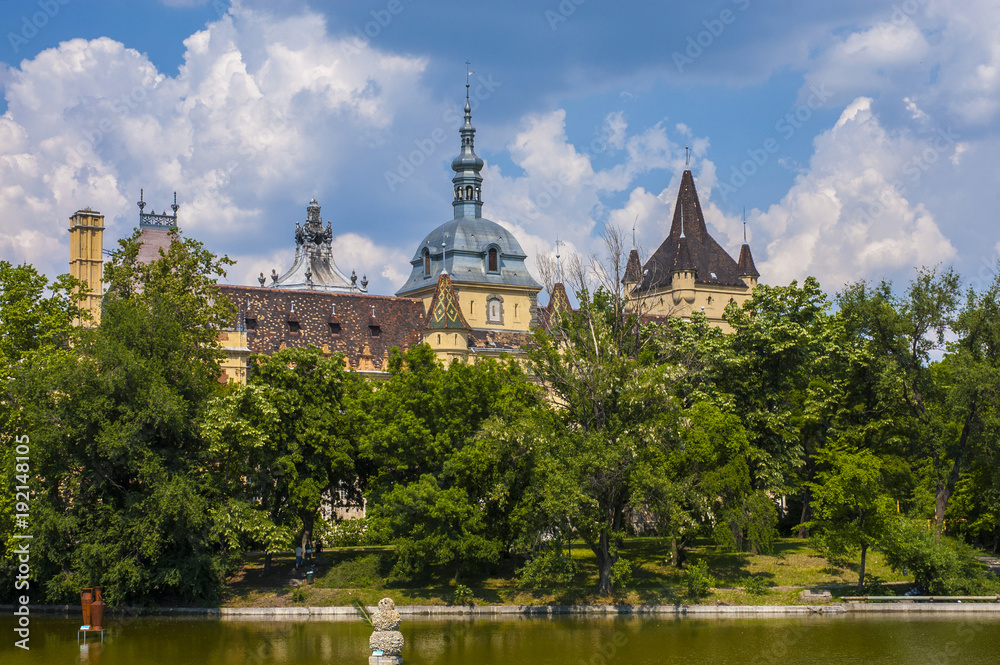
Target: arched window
[427,263]
[494,309]
[468,192]
[493,260]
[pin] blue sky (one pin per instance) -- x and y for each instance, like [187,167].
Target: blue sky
[860,136]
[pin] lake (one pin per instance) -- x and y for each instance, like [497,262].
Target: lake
[594,640]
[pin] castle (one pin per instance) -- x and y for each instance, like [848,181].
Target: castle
[469,294]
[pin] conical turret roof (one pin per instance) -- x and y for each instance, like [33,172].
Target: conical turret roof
[711,262]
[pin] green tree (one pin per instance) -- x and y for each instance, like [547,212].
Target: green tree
[851,509]
[423,459]
[35,323]
[617,415]
[122,483]
[944,406]
[308,449]
[434,526]
[783,368]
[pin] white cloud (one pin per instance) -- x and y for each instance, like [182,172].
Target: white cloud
[850,216]
[259,108]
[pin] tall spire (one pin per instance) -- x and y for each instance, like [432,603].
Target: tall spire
[467,181]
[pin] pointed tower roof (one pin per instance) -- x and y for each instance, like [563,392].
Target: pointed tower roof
[445,312]
[633,268]
[713,264]
[682,257]
[746,264]
[559,302]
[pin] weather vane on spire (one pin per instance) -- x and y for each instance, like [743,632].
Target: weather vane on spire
[558,262]
[687,155]
[744,225]
[468,75]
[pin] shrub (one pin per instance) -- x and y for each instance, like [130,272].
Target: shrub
[944,567]
[462,596]
[621,573]
[547,569]
[755,585]
[298,596]
[698,581]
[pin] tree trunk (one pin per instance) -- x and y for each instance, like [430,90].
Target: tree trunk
[604,563]
[307,524]
[806,514]
[861,575]
[267,564]
[940,505]
[947,485]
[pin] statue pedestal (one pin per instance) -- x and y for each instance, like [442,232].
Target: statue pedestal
[385,660]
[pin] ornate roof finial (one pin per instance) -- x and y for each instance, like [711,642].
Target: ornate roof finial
[687,155]
[174,207]
[444,255]
[141,203]
[744,225]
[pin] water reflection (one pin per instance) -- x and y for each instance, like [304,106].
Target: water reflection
[595,640]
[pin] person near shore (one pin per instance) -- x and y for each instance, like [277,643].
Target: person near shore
[298,556]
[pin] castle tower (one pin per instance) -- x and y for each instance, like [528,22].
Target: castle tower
[690,272]
[484,263]
[86,260]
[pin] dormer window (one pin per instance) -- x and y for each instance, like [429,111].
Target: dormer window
[427,263]
[493,260]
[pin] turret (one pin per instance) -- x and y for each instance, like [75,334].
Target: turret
[747,270]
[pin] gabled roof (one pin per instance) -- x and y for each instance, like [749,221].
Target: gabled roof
[445,312]
[707,257]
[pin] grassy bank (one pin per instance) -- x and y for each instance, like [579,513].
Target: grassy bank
[343,576]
